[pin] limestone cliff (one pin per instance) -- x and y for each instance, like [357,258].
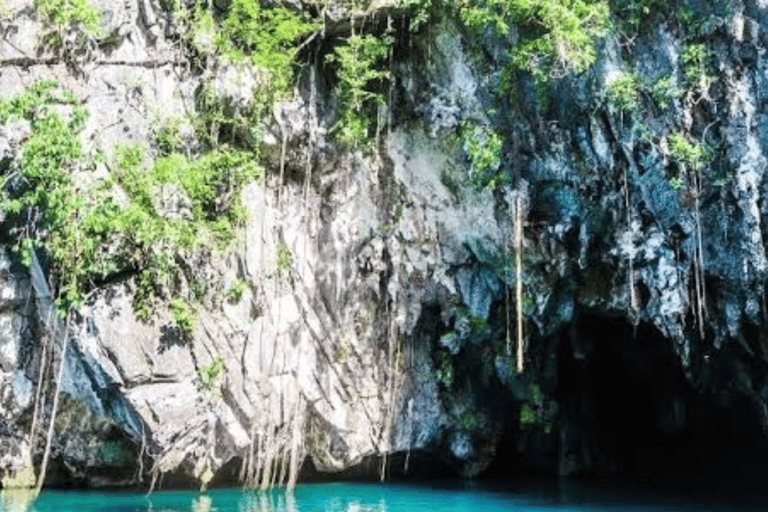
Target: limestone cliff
[366,320]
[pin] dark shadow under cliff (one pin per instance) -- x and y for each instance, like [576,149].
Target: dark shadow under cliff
[627,411]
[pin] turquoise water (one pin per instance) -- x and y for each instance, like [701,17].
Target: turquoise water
[384,498]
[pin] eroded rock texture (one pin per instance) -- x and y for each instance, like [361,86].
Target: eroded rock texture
[389,330]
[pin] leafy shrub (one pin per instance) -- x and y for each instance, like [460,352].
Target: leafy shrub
[696,65]
[284,258]
[70,14]
[621,91]
[361,82]
[43,198]
[694,156]
[209,374]
[557,37]
[264,35]
[444,370]
[528,416]
[468,421]
[634,14]
[482,145]
[235,292]
[184,317]
[88,236]
[664,91]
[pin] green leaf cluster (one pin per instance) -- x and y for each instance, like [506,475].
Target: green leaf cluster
[208,374]
[444,370]
[621,91]
[235,292]
[70,14]
[90,237]
[362,82]
[284,258]
[184,317]
[694,156]
[557,36]
[696,65]
[43,199]
[665,90]
[482,146]
[267,36]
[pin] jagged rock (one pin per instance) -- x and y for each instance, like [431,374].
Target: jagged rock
[399,273]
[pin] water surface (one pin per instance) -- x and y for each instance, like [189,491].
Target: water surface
[447,497]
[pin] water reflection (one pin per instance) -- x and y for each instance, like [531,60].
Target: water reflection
[17,500]
[373,498]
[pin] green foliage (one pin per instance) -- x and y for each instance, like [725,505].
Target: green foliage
[676,182]
[693,22]
[419,11]
[184,316]
[528,416]
[665,90]
[534,394]
[468,421]
[235,292]
[696,66]
[694,156]
[43,196]
[284,258]
[483,145]
[168,136]
[343,352]
[209,374]
[361,85]
[634,14]
[217,123]
[265,36]
[70,14]
[444,370]
[557,37]
[88,236]
[621,91]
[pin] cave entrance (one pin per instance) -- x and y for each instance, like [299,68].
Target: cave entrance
[629,411]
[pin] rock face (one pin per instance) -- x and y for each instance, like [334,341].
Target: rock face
[375,312]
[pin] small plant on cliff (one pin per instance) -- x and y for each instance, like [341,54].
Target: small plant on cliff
[665,90]
[284,259]
[68,21]
[235,292]
[528,416]
[694,156]
[621,91]
[184,317]
[209,374]
[483,145]
[697,60]
[468,421]
[267,36]
[70,14]
[362,80]
[444,370]
[556,37]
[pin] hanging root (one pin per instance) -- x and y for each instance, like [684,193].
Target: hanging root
[519,218]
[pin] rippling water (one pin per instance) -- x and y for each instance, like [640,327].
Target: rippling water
[388,498]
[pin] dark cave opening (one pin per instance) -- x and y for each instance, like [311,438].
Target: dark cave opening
[628,411]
